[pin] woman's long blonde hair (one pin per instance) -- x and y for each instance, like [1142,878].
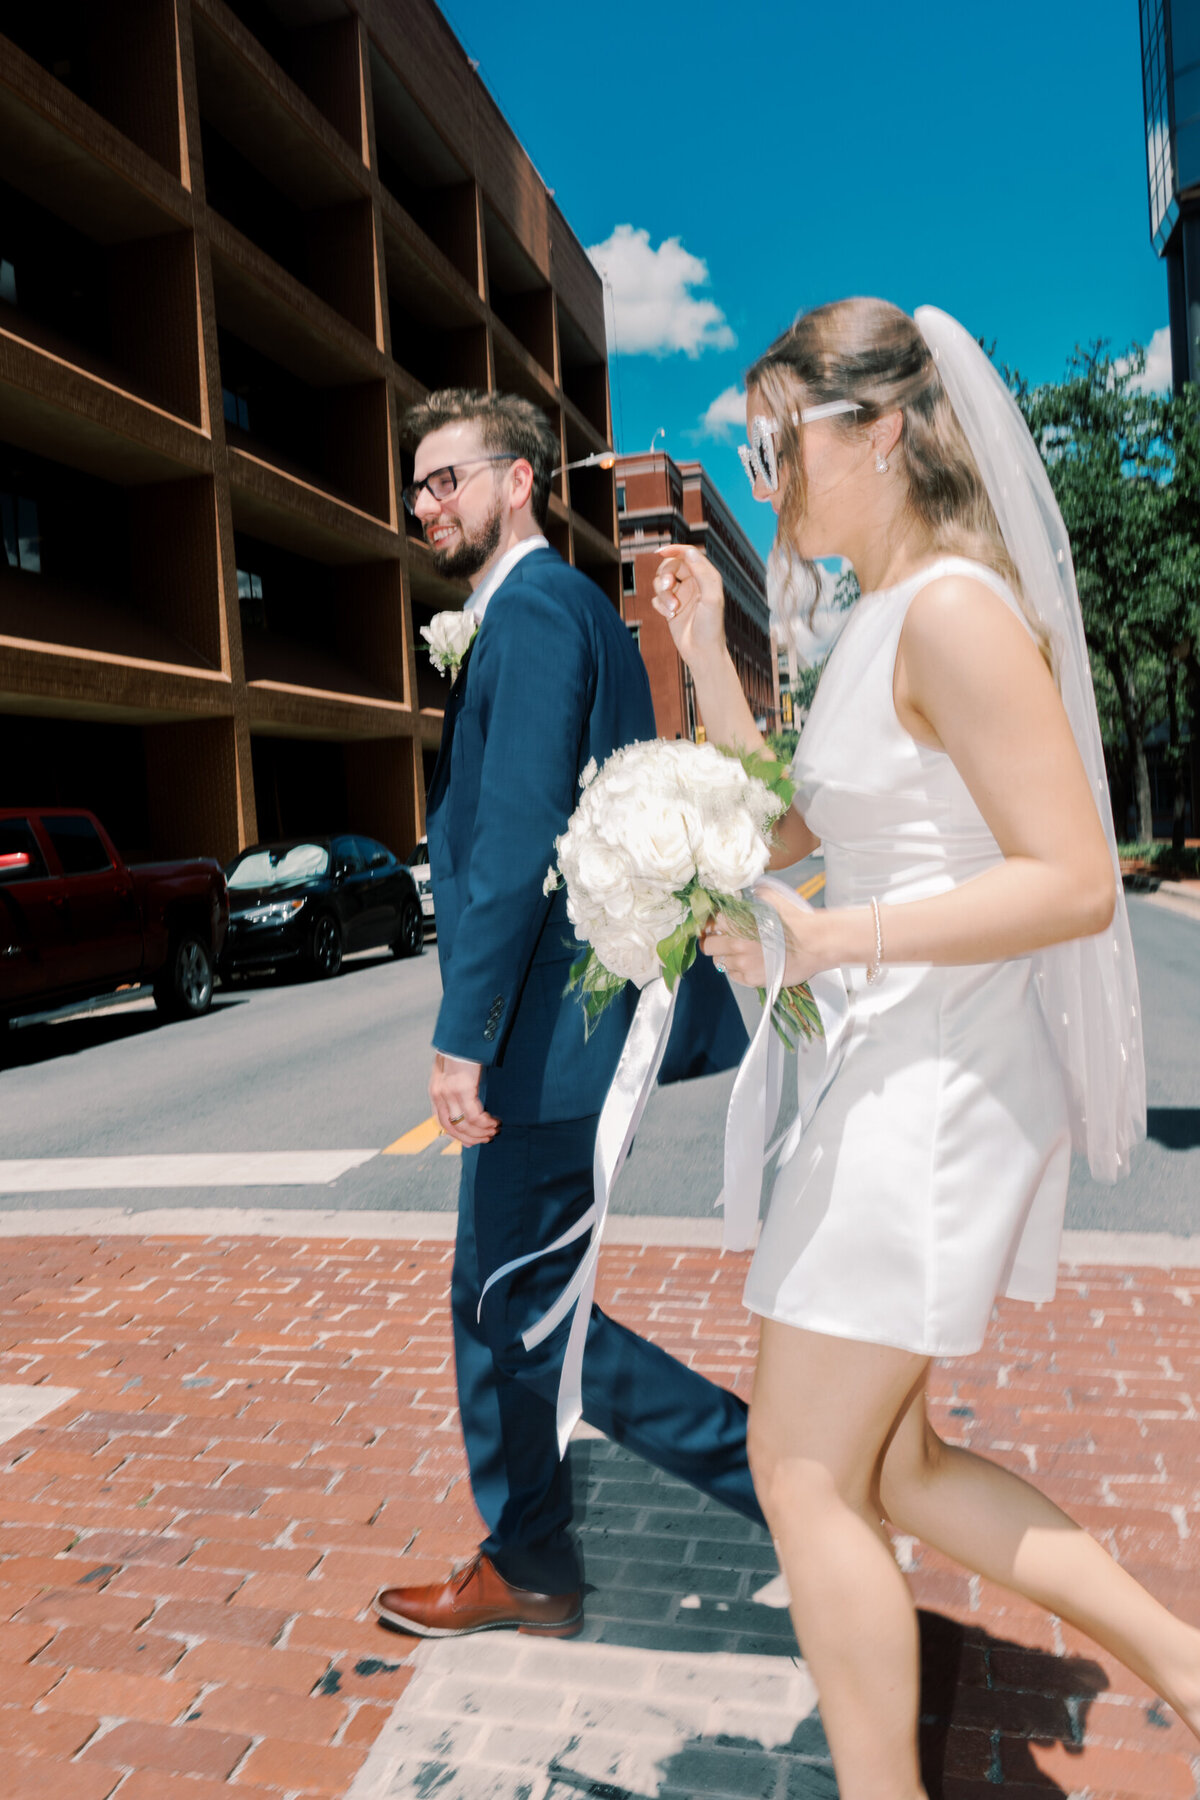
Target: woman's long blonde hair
[872,352]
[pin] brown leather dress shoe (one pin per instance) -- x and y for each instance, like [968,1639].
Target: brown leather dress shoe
[477,1598]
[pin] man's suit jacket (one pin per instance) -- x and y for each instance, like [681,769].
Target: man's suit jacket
[551,680]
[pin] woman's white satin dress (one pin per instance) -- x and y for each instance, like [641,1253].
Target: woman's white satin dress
[933,1175]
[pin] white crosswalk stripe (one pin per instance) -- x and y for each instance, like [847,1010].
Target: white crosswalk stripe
[208,1168]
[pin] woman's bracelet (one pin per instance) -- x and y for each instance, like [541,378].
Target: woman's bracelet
[875,969]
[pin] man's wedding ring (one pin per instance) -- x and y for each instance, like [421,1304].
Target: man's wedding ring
[455,1118]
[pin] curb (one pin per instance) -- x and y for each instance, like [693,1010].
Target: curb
[1173,896]
[1099,1249]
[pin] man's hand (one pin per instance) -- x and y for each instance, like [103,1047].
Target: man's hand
[454,1091]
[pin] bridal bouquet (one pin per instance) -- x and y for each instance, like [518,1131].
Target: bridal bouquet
[665,837]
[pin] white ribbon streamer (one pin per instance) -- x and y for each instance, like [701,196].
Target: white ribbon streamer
[758,1085]
[753,1111]
[620,1117]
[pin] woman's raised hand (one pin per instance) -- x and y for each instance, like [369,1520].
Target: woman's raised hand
[689,595]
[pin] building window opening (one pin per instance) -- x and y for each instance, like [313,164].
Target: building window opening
[250,599]
[635,632]
[237,412]
[628,578]
[620,496]
[8,282]
[22,538]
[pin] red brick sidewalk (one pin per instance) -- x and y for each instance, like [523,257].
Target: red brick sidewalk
[265,1431]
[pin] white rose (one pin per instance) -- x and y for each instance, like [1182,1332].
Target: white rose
[614,783]
[700,768]
[604,878]
[659,833]
[449,635]
[733,853]
[628,954]
[656,911]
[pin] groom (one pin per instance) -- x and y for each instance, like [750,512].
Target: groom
[551,680]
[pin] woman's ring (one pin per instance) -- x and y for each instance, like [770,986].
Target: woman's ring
[720,968]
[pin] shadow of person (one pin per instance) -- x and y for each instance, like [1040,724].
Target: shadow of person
[1174,1127]
[667,1568]
[671,1572]
[985,1703]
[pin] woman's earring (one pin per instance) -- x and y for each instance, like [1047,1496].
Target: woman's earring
[881,463]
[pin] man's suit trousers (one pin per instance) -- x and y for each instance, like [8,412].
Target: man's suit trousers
[518,1192]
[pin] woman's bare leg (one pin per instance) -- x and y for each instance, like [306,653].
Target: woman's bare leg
[998,1525]
[822,1412]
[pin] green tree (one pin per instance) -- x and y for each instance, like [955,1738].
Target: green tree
[1181,568]
[806,676]
[1122,464]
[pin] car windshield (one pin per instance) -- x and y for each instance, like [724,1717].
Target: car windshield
[275,868]
[420,855]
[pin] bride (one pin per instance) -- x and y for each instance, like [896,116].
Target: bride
[951,766]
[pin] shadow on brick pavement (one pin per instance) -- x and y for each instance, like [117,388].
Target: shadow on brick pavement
[669,1570]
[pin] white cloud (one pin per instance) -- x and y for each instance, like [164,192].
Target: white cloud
[1157,374]
[727,413]
[656,311]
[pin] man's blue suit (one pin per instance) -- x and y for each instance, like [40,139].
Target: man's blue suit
[552,679]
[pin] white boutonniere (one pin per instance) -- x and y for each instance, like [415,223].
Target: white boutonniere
[449,636]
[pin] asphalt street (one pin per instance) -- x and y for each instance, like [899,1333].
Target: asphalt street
[297,1068]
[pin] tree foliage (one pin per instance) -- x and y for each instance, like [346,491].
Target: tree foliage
[1125,468]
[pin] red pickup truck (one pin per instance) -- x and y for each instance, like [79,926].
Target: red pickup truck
[75,923]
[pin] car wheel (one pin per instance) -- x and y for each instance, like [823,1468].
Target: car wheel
[410,939]
[184,990]
[326,957]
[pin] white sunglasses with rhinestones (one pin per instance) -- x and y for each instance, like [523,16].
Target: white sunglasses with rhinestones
[758,456]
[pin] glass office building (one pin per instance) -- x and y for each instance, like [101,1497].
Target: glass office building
[1171,86]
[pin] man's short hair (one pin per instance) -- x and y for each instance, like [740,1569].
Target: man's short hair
[506,423]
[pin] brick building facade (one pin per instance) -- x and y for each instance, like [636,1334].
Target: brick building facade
[659,502]
[236,240]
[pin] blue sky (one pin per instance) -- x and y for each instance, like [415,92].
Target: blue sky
[987,158]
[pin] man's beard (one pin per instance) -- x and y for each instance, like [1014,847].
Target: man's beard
[467,555]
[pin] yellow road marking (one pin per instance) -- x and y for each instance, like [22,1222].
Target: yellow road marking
[420,1138]
[416,1140]
[811,887]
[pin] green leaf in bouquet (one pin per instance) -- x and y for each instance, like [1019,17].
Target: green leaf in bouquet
[598,987]
[760,765]
[737,913]
[595,1005]
[700,903]
[677,952]
[795,1015]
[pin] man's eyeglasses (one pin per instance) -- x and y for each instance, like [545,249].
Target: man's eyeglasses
[444,482]
[759,458]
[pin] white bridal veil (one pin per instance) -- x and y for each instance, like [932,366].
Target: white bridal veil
[1088,987]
